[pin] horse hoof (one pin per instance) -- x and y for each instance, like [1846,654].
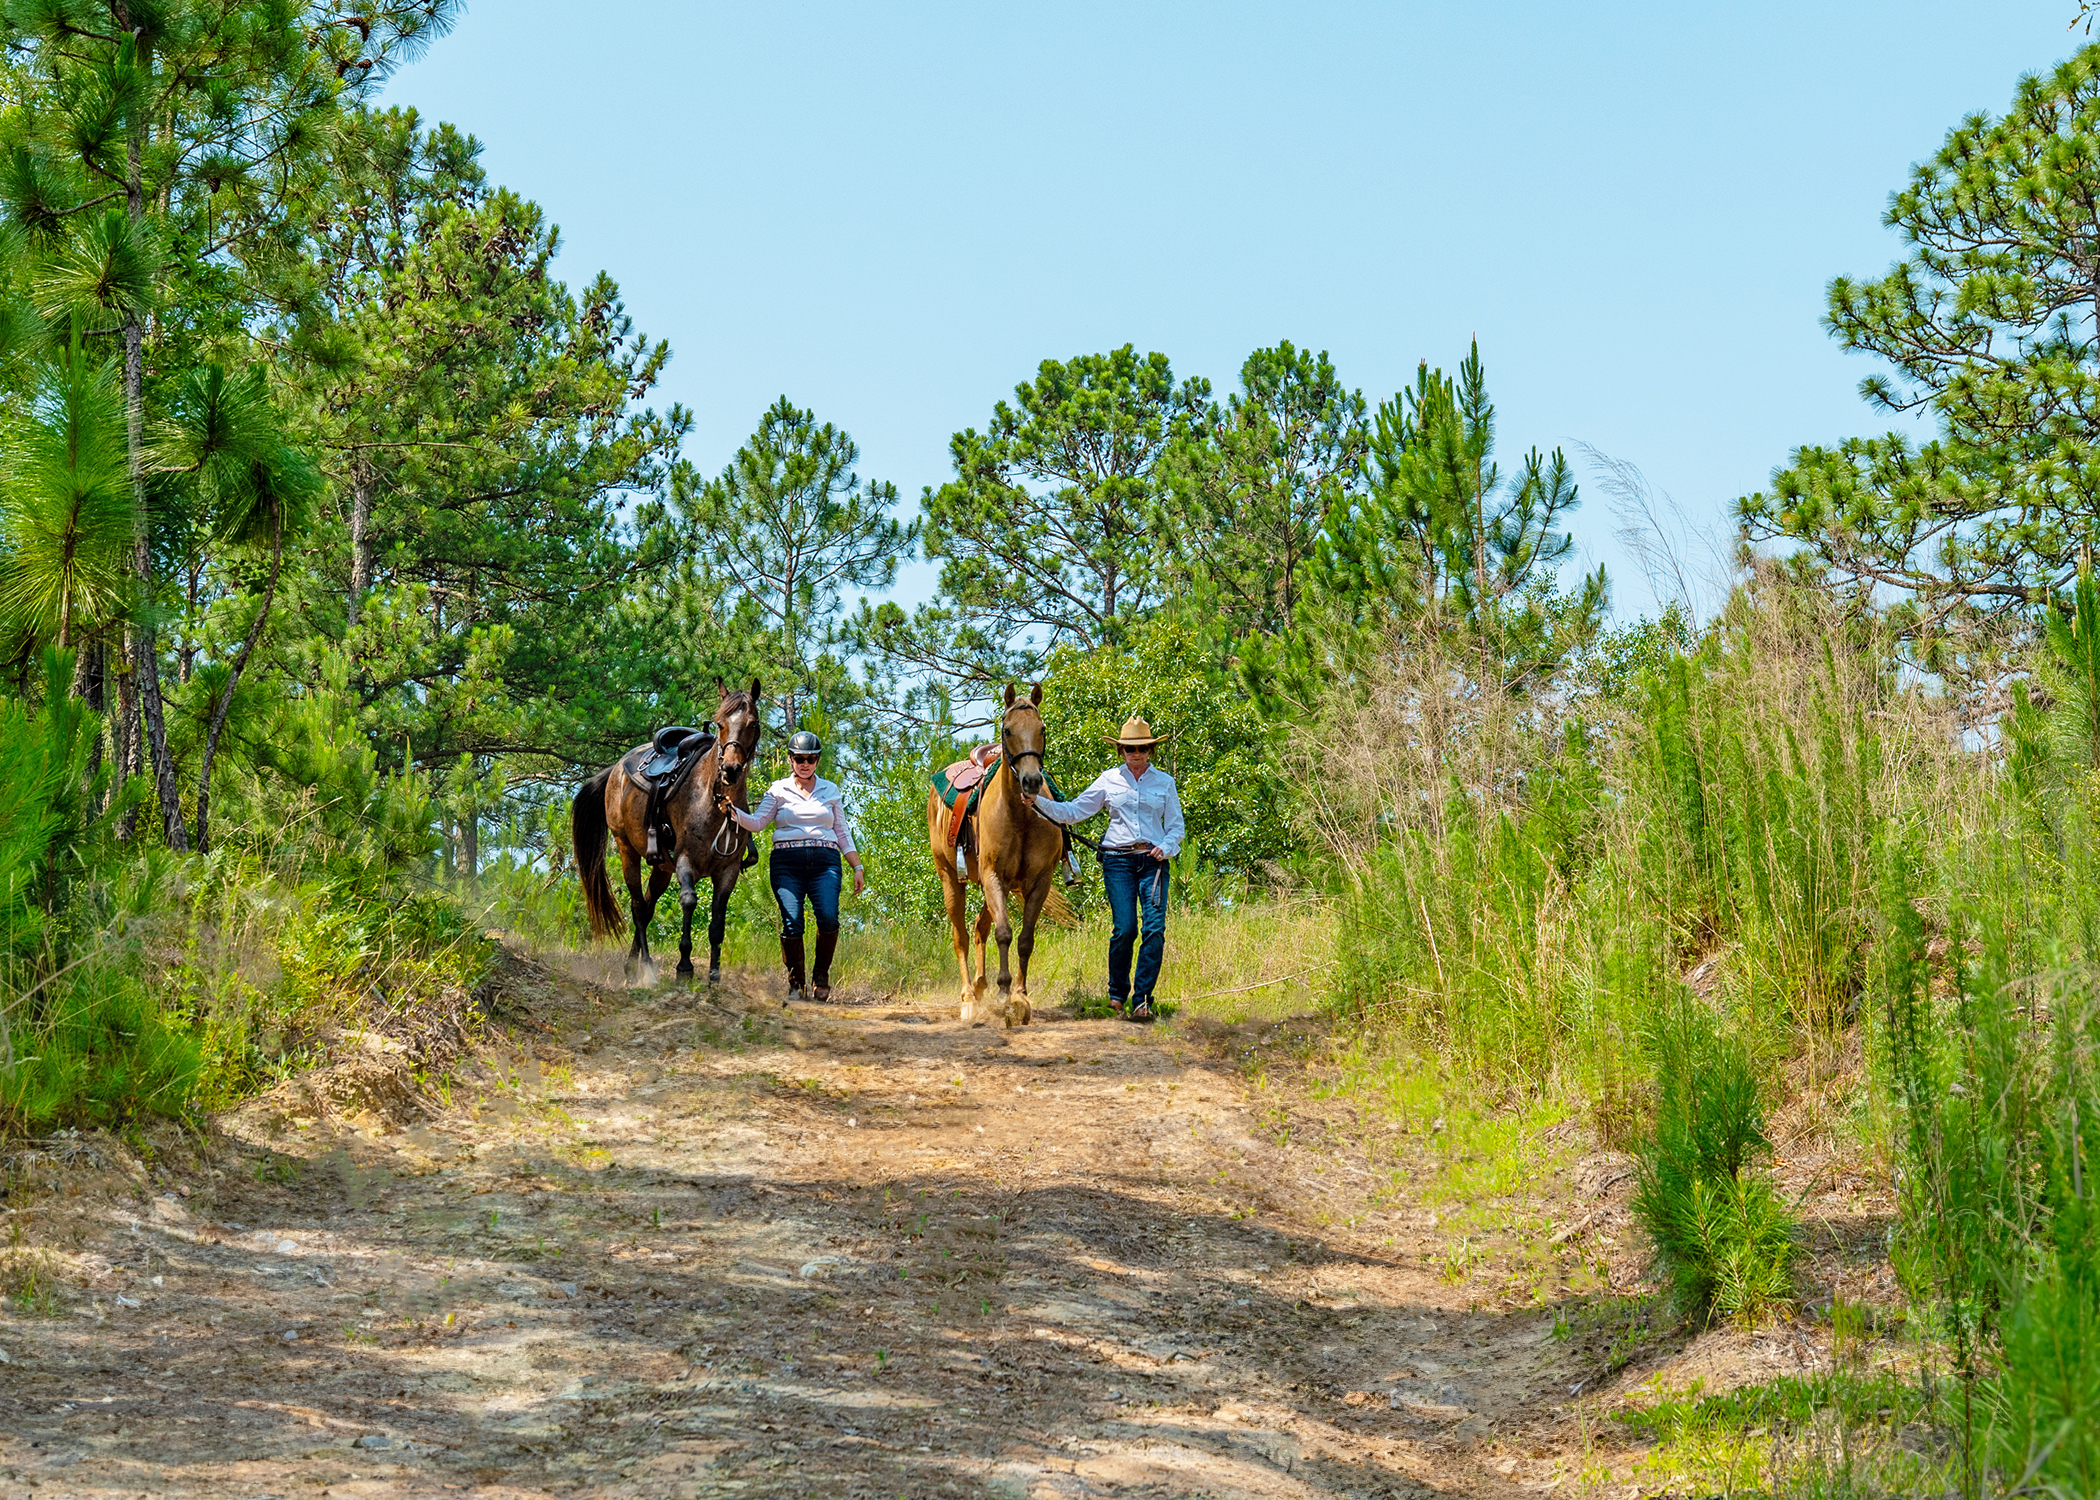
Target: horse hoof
[714,979]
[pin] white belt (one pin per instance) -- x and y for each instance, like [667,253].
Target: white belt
[812,843]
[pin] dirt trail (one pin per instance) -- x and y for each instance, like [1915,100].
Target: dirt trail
[649,1246]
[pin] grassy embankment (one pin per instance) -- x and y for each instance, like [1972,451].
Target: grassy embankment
[1776,877]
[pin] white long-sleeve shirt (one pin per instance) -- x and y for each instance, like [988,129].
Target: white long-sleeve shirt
[1141,810]
[819,813]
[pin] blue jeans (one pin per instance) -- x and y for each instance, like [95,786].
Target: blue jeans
[807,874]
[1137,899]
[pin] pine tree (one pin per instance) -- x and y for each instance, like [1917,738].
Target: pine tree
[251,487]
[67,515]
[494,538]
[1046,534]
[788,525]
[1435,532]
[1991,323]
[148,145]
[1249,493]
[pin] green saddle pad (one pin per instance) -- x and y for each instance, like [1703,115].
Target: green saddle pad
[949,793]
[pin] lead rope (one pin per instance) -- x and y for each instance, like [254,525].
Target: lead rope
[726,843]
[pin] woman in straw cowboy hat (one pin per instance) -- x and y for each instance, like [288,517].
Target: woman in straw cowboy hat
[1144,832]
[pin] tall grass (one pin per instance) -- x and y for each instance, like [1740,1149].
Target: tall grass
[1530,878]
[1688,888]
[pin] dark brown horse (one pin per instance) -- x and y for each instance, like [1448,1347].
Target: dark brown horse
[1017,853]
[707,844]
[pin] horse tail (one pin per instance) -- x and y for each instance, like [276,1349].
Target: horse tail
[1057,909]
[587,826]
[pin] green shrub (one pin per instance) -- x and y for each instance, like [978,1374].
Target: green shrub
[2043,1404]
[81,1035]
[1720,1231]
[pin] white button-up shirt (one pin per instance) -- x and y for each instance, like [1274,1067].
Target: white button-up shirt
[1141,810]
[818,815]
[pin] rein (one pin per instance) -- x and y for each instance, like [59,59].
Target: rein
[729,839]
[1008,757]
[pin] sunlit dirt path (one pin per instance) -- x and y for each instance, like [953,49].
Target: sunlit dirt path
[645,1245]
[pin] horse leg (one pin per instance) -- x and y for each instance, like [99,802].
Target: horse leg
[645,913]
[956,897]
[717,919]
[999,909]
[686,902]
[638,949]
[984,929]
[1030,910]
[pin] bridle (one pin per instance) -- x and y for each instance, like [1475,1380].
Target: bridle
[1009,756]
[729,839]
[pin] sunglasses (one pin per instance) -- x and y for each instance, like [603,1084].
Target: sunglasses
[803,760]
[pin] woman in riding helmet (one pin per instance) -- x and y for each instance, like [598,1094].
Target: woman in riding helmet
[808,815]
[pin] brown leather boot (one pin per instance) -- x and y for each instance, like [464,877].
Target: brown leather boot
[820,976]
[791,957]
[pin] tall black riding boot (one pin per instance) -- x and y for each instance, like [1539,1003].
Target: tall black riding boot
[791,957]
[820,976]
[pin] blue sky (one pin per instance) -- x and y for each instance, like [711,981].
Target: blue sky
[892,213]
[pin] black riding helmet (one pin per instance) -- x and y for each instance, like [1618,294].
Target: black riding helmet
[802,742]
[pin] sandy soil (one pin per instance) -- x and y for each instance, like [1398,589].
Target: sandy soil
[642,1244]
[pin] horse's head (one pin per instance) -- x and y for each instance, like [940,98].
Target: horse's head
[1021,738]
[736,721]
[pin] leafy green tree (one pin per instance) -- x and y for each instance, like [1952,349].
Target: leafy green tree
[1248,494]
[1045,536]
[789,524]
[1991,324]
[1222,750]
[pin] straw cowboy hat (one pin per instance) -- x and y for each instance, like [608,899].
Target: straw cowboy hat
[1136,735]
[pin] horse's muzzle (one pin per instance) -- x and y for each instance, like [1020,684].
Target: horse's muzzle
[732,772]
[1032,783]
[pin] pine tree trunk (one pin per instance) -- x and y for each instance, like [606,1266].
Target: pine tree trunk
[145,656]
[125,737]
[470,847]
[87,687]
[233,679]
[360,542]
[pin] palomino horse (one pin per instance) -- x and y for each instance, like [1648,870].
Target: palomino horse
[1017,854]
[708,842]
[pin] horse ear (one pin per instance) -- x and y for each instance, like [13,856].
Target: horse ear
[1010,695]
[754,690]
[720,690]
[1035,694]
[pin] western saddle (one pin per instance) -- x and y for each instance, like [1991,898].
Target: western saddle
[676,749]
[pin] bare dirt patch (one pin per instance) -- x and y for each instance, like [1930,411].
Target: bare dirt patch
[644,1244]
